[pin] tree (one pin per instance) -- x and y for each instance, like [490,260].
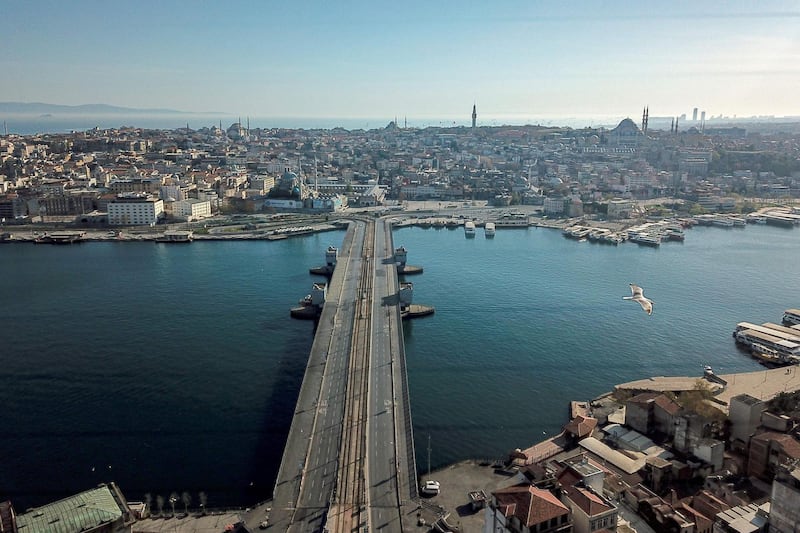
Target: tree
[148,500]
[186,498]
[173,498]
[203,497]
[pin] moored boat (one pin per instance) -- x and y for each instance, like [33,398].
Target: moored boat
[176,236]
[469,228]
[646,239]
[791,317]
[766,355]
[489,229]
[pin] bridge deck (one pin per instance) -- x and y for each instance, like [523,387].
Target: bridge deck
[338,414]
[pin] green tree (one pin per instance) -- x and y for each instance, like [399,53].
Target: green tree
[696,209]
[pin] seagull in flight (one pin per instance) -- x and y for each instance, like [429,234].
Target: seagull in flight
[638,296]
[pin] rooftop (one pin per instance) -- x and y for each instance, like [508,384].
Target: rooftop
[75,513]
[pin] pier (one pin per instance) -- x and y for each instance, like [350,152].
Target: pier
[349,463]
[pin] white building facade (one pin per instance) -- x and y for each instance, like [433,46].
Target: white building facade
[191,209]
[135,210]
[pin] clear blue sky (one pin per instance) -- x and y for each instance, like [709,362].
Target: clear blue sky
[416,58]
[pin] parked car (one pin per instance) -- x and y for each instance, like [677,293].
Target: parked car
[430,488]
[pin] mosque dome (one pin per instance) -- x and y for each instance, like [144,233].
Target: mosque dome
[626,127]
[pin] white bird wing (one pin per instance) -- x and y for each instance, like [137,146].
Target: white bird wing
[636,291]
[646,304]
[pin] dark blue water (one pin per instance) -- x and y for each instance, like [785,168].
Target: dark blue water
[178,366]
[529,320]
[163,367]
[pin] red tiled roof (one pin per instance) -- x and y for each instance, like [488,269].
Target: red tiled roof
[568,477]
[789,444]
[589,502]
[644,397]
[581,426]
[529,504]
[667,404]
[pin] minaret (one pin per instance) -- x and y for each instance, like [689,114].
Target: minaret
[474,115]
[644,121]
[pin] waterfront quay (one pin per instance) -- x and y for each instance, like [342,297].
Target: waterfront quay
[762,384]
[349,463]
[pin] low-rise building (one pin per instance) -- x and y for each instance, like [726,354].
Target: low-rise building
[135,209]
[784,515]
[99,510]
[524,508]
[191,209]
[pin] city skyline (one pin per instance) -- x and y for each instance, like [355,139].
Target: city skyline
[514,59]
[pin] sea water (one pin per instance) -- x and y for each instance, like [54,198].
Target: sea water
[170,367]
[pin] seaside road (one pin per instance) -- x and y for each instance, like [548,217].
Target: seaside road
[306,480]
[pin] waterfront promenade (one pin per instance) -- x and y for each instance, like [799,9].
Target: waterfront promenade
[761,384]
[348,463]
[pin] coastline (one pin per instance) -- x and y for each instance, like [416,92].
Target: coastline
[468,476]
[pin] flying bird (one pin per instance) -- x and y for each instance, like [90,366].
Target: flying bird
[638,296]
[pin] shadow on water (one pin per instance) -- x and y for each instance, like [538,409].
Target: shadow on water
[278,414]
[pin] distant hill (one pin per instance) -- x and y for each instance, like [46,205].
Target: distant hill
[39,108]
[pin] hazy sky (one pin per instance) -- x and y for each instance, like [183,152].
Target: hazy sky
[427,58]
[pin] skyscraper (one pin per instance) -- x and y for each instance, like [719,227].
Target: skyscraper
[694,114]
[703,116]
[474,115]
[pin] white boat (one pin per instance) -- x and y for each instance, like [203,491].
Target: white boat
[646,239]
[724,222]
[176,236]
[469,228]
[756,219]
[791,316]
[765,354]
[489,229]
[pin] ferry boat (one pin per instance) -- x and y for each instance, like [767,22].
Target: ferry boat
[791,317]
[576,232]
[513,220]
[675,235]
[785,334]
[784,347]
[66,237]
[766,355]
[724,222]
[756,219]
[489,230]
[176,236]
[469,228]
[646,239]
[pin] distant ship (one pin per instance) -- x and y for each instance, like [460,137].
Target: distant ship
[489,230]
